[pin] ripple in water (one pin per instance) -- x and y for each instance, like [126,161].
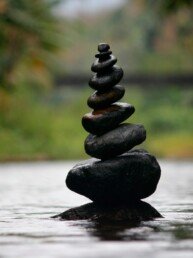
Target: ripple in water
[33,192]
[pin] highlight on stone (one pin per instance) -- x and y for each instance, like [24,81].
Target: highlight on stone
[118,176]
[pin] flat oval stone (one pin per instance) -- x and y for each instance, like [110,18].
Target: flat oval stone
[101,121]
[124,179]
[103,54]
[105,81]
[101,66]
[134,212]
[100,100]
[115,142]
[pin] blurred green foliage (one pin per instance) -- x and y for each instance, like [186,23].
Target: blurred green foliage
[172,5]
[144,39]
[35,46]
[49,126]
[143,35]
[28,33]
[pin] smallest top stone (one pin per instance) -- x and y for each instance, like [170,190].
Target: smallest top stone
[103,47]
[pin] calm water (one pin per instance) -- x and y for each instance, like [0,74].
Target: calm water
[31,193]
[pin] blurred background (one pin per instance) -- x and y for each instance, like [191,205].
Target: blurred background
[46,51]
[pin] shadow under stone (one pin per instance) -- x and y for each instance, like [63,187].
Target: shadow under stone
[119,230]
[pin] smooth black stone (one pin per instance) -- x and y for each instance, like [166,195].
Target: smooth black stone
[115,142]
[103,47]
[122,180]
[101,100]
[103,54]
[105,81]
[101,121]
[106,64]
[137,212]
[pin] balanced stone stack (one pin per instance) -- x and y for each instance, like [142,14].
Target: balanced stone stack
[117,175]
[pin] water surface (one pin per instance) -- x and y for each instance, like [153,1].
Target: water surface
[32,192]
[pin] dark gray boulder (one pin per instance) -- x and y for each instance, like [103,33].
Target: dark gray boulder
[115,142]
[102,100]
[140,211]
[101,121]
[124,179]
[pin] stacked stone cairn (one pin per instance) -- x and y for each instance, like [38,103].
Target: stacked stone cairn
[117,175]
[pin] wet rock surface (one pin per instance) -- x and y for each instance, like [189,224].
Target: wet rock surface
[105,81]
[115,142]
[100,66]
[124,179]
[119,175]
[103,120]
[140,211]
[103,47]
[102,100]
[103,56]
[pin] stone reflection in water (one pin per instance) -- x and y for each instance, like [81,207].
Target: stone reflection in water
[183,232]
[122,230]
[109,231]
[26,230]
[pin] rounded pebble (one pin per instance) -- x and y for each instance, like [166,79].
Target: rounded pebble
[105,81]
[103,47]
[101,66]
[103,55]
[115,142]
[101,100]
[101,121]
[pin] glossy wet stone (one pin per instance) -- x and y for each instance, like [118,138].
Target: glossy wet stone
[140,211]
[101,121]
[118,175]
[103,47]
[115,142]
[103,55]
[105,81]
[98,66]
[123,179]
[101,100]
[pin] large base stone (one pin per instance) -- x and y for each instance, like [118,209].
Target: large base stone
[139,211]
[123,179]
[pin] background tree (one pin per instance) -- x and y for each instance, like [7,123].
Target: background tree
[27,29]
[174,5]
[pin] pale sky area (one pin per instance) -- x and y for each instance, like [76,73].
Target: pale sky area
[72,8]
